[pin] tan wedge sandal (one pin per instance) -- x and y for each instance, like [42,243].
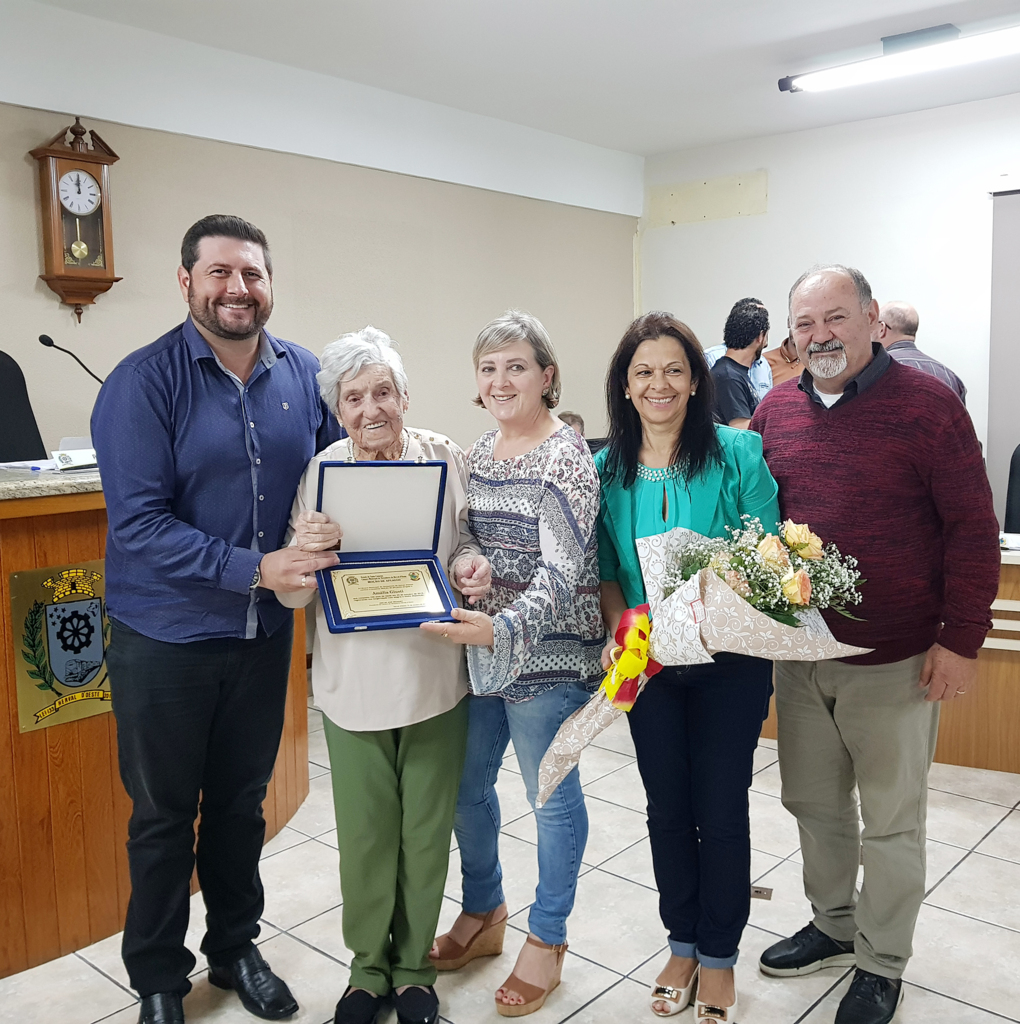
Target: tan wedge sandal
[534,997]
[487,941]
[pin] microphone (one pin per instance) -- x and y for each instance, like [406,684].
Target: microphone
[45,339]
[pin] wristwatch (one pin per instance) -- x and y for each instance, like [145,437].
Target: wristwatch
[256,579]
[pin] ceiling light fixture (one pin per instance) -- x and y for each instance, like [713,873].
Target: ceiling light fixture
[911,53]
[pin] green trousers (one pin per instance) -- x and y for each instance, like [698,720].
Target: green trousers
[395,792]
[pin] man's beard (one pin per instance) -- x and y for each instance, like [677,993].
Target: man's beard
[826,362]
[207,315]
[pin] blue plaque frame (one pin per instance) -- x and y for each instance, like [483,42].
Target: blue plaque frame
[386,558]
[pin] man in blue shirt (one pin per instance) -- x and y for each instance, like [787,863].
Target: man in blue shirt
[201,438]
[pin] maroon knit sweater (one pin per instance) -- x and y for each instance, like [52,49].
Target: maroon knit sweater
[893,477]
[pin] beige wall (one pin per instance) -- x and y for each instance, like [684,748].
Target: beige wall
[427,262]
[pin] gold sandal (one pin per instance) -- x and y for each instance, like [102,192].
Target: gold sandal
[534,997]
[487,941]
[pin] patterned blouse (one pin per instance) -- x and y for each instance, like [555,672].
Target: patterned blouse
[535,517]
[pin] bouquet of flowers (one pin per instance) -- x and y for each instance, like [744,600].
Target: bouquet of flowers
[751,592]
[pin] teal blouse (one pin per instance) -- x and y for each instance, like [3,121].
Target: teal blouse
[740,485]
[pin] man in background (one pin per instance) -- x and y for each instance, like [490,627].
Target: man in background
[573,419]
[882,461]
[897,331]
[784,362]
[201,438]
[745,336]
[761,373]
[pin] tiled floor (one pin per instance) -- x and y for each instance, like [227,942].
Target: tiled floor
[965,970]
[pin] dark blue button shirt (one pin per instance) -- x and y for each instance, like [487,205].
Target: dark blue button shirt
[199,473]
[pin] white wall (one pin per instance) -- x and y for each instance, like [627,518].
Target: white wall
[54,59]
[905,199]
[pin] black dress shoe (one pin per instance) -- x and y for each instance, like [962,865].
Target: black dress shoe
[804,953]
[417,1005]
[261,992]
[871,999]
[357,1006]
[162,1008]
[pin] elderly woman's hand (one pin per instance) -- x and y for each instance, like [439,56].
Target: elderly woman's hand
[607,654]
[472,576]
[474,628]
[315,531]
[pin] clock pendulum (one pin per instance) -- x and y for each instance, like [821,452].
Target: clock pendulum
[79,249]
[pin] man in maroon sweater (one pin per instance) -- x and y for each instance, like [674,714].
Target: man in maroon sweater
[882,460]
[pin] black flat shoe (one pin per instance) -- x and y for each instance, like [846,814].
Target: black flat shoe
[357,1006]
[261,992]
[162,1008]
[804,953]
[416,1005]
[871,999]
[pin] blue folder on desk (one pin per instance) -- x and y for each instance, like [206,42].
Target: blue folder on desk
[391,514]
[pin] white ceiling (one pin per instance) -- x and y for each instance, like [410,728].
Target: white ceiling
[643,76]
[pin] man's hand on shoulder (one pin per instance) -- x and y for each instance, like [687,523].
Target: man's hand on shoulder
[290,569]
[947,675]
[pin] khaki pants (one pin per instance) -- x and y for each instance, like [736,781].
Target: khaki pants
[868,726]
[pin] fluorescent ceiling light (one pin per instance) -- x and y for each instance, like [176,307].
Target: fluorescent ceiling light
[968,50]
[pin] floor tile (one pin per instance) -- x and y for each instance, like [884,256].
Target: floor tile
[597,762]
[512,796]
[325,933]
[519,861]
[623,787]
[615,922]
[773,828]
[955,954]
[788,910]
[318,752]
[634,863]
[329,838]
[316,815]
[466,996]
[771,744]
[315,771]
[509,762]
[918,1007]
[767,781]
[977,783]
[1005,840]
[625,1001]
[300,883]
[283,840]
[960,821]
[941,859]
[67,990]
[617,737]
[314,720]
[764,756]
[985,888]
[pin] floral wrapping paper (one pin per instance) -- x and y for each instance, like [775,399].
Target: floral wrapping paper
[701,618]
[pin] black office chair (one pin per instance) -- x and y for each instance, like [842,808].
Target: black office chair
[1012,524]
[19,434]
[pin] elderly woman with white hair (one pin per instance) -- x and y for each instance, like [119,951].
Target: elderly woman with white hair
[393,704]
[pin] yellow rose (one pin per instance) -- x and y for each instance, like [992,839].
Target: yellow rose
[737,582]
[772,549]
[797,587]
[802,540]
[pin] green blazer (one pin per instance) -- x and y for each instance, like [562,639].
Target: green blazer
[739,485]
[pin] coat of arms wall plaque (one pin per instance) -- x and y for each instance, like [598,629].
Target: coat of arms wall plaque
[58,617]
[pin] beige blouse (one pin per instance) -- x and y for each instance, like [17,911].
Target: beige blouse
[388,678]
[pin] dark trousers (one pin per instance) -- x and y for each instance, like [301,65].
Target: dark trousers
[201,718]
[695,729]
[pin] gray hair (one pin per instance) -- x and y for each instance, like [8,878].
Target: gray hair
[346,357]
[901,317]
[515,325]
[860,282]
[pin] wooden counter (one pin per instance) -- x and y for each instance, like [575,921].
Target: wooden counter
[63,811]
[982,730]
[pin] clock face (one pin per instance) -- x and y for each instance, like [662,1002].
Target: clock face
[79,193]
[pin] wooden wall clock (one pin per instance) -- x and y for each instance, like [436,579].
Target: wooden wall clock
[77,227]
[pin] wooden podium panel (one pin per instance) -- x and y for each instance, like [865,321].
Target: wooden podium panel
[982,729]
[63,811]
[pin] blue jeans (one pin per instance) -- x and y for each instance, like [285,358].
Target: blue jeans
[562,822]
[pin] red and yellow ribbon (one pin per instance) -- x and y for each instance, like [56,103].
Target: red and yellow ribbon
[630,659]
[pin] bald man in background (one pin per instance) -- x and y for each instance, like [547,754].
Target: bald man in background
[897,331]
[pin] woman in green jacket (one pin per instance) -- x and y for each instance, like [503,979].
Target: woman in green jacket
[695,728]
